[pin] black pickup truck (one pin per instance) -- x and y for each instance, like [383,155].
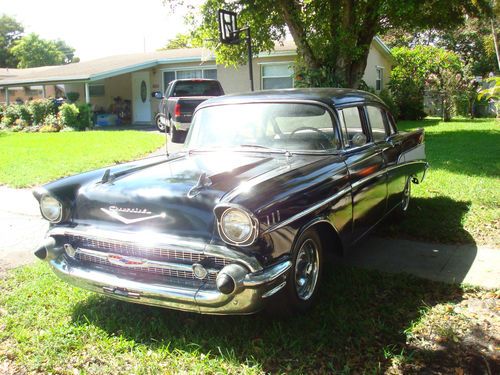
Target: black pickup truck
[181,98]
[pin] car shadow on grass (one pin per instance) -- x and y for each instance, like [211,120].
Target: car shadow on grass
[359,324]
[435,219]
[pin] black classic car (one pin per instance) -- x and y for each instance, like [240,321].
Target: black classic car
[267,185]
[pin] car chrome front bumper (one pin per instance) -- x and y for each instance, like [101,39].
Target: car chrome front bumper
[252,286]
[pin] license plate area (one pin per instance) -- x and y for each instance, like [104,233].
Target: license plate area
[122,292]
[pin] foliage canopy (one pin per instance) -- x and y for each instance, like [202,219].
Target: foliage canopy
[333,38]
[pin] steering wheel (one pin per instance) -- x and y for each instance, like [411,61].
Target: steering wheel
[325,137]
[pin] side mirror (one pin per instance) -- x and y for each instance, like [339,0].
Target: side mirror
[358,140]
[157,94]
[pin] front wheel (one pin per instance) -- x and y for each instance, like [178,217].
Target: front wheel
[303,280]
[161,123]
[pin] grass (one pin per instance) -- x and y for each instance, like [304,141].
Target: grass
[459,200]
[29,159]
[363,324]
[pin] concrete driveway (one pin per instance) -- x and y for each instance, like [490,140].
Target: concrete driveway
[21,227]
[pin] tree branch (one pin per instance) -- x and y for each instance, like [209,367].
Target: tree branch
[291,10]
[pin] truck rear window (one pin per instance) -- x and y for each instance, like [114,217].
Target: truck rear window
[197,88]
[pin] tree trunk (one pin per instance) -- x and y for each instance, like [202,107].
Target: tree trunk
[495,41]
[290,14]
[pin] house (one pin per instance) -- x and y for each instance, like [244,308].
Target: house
[133,77]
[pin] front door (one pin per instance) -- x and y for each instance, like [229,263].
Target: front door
[141,104]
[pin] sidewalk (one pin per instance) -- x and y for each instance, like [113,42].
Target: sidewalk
[470,264]
[22,229]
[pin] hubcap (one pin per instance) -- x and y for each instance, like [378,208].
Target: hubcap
[306,270]
[160,123]
[406,195]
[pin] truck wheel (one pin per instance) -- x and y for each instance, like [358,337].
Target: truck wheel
[161,123]
[303,279]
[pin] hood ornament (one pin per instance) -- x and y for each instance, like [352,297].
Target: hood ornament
[115,211]
[203,182]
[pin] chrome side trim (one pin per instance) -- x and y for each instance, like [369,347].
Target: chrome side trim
[267,275]
[361,181]
[396,166]
[274,290]
[415,153]
[291,219]
[160,240]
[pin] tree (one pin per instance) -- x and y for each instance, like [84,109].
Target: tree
[68,51]
[333,37]
[472,41]
[32,51]
[182,41]
[10,31]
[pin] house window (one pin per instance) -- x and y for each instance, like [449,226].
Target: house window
[277,76]
[96,90]
[170,75]
[379,82]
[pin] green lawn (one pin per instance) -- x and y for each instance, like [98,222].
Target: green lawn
[28,159]
[459,200]
[367,322]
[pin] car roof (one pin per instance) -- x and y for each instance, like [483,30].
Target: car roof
[329,96]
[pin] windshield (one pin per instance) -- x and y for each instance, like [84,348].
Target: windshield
[283,126]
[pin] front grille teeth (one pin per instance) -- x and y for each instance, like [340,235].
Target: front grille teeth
[158,254]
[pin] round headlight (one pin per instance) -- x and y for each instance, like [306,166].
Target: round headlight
[51,208]
[236,225]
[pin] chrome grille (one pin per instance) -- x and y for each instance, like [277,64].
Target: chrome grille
[150,270]
[153,253]
[159,254]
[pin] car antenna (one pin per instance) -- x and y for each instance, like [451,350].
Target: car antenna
[166,141]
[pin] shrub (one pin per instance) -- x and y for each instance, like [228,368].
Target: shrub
[51,124]
[68,114]
[11,114]
[25,114]
[72,96]
[40,108]
[84,116]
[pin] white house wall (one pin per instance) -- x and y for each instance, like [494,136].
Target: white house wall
[376,59]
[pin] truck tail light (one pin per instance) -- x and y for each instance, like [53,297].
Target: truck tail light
[177,110]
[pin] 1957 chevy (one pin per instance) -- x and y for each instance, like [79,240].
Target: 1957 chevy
[267,184]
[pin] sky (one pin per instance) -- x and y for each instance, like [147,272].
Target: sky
[98,28]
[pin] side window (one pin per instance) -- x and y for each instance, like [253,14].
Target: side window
[377,123]
[351,124]
[392,123]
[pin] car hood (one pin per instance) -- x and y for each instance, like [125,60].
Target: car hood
[176,197]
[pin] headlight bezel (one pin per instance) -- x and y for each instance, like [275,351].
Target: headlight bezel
[222,211]
[60,215]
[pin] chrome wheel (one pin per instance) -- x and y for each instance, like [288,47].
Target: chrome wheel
[405,202]
[306,270]
[161,123]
